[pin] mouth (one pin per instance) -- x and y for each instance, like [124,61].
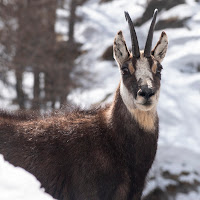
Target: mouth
[146,103]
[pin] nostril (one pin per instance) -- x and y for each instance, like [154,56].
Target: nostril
[146,93]
[142,94]
[151,94]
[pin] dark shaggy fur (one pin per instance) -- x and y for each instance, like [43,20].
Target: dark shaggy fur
[99,154]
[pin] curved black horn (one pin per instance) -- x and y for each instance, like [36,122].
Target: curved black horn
[147,50]
[134,40]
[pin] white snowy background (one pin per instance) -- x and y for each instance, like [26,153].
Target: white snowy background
[177,165]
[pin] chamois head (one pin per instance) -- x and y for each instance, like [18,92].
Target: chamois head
[140,70]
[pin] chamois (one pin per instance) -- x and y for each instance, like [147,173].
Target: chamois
[97,154]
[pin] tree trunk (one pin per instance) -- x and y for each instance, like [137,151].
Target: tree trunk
[19,89]
[36,90]
[72,20]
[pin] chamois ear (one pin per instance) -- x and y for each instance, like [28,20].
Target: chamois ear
[120,50]
[160,49]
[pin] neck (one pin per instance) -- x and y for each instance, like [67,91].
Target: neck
[120,114]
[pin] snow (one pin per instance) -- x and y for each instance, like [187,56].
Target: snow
[179,104]
[181,11]
[192,195]
[179,165]
[17,184]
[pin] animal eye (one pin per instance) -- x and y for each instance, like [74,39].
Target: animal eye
[125,70]
[159,69]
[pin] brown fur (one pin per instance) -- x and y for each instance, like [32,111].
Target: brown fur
[131,68]
[99,154]
[154,68]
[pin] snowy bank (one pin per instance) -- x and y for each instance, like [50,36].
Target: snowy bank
[17,184]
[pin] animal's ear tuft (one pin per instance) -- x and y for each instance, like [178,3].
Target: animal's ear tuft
[120,51]
[160,49]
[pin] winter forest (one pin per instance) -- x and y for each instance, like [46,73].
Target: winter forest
[55,53]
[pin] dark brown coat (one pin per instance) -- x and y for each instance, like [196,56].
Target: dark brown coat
[100,154]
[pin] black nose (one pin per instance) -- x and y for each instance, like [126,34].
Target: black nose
[146,92]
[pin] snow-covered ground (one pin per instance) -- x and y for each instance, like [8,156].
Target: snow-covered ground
[179,105]
[17,184]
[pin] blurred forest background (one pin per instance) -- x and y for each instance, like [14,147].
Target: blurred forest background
[29,43]
[58,52]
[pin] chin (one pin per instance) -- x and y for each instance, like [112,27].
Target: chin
[145,107]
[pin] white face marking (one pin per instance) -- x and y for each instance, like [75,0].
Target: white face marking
[149,83]
[143,72]
[126,97]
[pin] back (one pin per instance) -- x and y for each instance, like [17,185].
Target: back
[66,152]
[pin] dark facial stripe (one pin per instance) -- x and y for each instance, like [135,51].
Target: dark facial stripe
[134,61]
[150,61]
